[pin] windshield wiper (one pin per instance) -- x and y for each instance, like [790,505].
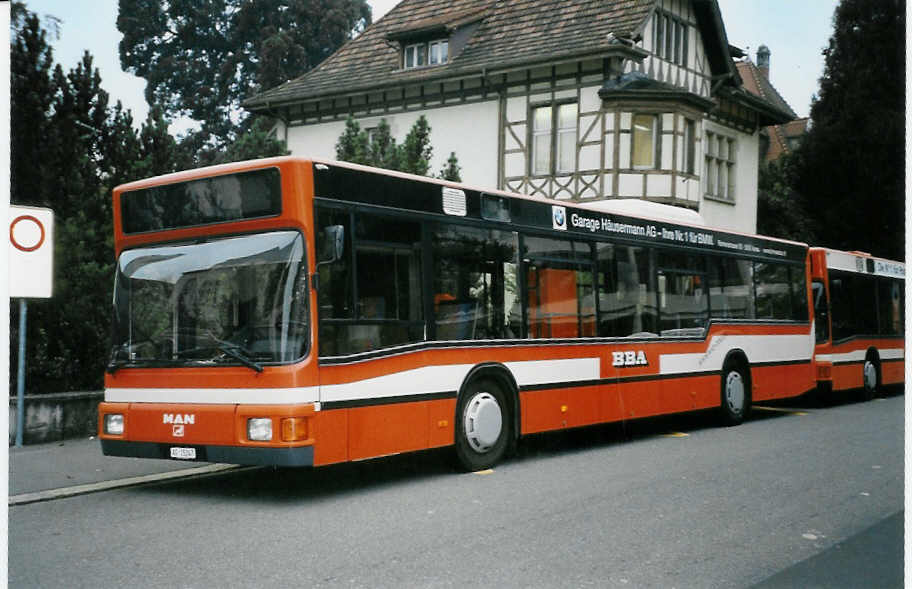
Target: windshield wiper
[113,366]
[235,352]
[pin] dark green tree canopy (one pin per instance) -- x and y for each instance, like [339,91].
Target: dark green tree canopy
[379,149]
[200,58]
[853,173]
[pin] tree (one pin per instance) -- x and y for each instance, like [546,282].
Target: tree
[31,64]
[416,151]
[380,149]
[781,210]
[70,147]
[853,156]
[353,144]
[451,170]
[256,142]
[384,153]
[200,59]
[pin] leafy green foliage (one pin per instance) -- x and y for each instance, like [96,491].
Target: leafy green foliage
[852,170]
[379,149]
[256,142]
[201,58]
[353,145]
[70,148]
[451,171]
[416,149]
[782,211]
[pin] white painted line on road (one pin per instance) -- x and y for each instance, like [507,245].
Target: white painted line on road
[50,494]
[780,410]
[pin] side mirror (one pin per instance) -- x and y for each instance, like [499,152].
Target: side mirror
[332,246]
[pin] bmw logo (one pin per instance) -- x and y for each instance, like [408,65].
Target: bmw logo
[559,217]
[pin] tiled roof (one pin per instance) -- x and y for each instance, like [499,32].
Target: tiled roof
[511,32]
[780,134]
[756,83]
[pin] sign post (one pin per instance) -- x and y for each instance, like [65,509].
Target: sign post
[31,274]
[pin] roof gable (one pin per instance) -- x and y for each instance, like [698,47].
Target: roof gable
[511,32]
[756,83]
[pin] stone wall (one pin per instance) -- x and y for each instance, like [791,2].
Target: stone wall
[49,418]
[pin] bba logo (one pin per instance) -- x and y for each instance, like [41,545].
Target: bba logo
[629,358]
[559,217]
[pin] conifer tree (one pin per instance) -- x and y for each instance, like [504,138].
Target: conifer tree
[416,150]
[451,170]
[853,169]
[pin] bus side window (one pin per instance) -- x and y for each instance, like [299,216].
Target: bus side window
[890,303]
[731,288]
[627,294]
[821,312]
[841,306]
[560,288]
[772,291]
[474,283]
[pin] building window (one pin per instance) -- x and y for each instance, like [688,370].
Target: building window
[720,166]
[554,132]
[422,54]
[438,52]
[670,38]
[645,132]
[690,146]
[415,55]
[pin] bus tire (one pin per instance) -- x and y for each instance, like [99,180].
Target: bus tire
[736,397]
[484,425]
[870,376]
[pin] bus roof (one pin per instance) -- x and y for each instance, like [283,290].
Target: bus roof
[862,262]
[634,208]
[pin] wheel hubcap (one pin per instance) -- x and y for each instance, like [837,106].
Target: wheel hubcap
[734,392]
[483,422]
[870,375]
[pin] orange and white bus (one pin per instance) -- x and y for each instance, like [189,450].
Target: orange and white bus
[859,306]
[301,312]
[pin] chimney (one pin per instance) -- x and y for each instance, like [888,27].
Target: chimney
[763,61]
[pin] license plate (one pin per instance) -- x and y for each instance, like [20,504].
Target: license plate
[183,453]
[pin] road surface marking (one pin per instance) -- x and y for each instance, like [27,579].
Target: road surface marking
[779,410]
[50,494]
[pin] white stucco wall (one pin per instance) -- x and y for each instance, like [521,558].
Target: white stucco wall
[742,215]
[470,130]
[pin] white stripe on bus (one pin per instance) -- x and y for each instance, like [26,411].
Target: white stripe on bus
[759,349]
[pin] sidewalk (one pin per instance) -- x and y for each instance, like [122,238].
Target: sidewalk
[75,462]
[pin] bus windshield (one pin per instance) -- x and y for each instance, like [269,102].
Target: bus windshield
[227,301]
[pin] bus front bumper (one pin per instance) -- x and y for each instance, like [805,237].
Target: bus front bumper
[260,456]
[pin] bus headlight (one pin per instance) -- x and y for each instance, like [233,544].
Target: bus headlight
[259,429]
[114,424]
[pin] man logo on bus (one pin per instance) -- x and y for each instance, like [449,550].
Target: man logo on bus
[559,217]
[629,358]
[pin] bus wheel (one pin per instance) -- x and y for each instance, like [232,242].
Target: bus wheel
[871,375]
[483,425]
[735,394]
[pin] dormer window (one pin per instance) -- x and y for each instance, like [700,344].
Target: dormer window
[422,54]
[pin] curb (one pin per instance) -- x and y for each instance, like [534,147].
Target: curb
[51,494]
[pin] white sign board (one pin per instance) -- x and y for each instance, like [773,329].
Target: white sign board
[31,252]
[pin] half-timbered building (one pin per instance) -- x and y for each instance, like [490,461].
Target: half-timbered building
[576,100]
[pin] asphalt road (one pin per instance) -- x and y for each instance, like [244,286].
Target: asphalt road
[784,500]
